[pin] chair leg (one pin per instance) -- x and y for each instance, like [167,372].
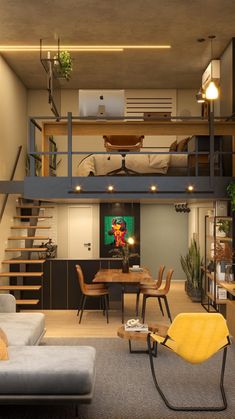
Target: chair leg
[189,408]
[144,307]
[160,305]
[82,308]
[106,304]
[167,308]
[80,304]
[137,303]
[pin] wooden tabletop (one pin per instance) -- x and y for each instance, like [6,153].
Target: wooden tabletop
[117,276]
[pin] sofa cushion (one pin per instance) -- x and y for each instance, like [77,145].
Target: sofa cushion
[48,370]
[3,350]
[22,328]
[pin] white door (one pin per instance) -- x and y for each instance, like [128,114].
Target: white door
[80,233]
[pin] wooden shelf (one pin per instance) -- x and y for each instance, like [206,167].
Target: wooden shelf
[27,302]
[229,286]
[28,238]
[14,274]
[26,249]
[32,216]
[20,287]
[25,261]
[218,238]
[217,301]
[29,227]
[34,206]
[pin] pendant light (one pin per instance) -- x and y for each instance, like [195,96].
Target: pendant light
[212,91]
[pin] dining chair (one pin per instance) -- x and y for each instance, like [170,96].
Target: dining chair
[195,337]
[159,294]
[142,287]
[91,290]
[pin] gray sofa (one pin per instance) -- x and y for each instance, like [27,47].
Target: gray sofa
[41,374]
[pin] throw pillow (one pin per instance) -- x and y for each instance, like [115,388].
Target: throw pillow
[173,146]
[3,336]
[3,351]
[182,145]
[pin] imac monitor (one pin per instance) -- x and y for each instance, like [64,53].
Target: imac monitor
[102,103]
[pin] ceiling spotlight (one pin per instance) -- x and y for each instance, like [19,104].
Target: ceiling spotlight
[110,188]
[153,188]
[78,188]
[182,207]
[190,188]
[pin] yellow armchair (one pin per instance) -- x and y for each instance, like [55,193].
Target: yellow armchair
[195,337]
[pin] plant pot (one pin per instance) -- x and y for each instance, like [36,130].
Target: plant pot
[125,266]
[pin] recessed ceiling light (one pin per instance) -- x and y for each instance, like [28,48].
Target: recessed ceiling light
[78,188]
[153,188]
[110,188]
[190,188]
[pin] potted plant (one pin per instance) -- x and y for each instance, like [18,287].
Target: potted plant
[191,264]
[123,252]
[231,194]
[63,65]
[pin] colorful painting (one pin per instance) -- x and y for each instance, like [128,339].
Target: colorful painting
[117,229]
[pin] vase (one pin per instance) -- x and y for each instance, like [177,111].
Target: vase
[125,266]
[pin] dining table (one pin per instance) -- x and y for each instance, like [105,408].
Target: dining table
[134,277]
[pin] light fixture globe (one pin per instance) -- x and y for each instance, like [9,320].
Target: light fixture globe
[212,91]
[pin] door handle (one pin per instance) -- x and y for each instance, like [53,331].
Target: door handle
[87,244]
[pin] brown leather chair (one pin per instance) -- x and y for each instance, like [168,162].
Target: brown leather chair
[155,286]
[91,290]
[159,294]
[123,144]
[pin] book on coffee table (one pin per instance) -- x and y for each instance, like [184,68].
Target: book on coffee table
[139,328]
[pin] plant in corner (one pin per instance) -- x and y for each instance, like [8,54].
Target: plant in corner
[191,264]
[63,65]
[231,194]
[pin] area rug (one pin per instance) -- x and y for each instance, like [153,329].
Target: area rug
[125,390]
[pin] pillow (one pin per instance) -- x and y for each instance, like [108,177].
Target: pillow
[173,146]
[3,351]
[182,145]
[86,166]
[3,336]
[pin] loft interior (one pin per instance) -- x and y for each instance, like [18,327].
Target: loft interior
[116,189]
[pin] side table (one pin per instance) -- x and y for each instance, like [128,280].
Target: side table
[142,336]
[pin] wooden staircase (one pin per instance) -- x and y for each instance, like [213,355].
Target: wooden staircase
[24,269]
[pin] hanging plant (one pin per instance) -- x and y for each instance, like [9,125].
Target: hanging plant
[64,65]
[231,194]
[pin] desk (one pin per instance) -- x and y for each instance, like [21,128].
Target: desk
[116,276]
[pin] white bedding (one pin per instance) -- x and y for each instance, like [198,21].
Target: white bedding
[102,164]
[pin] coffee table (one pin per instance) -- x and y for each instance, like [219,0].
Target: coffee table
[142,336]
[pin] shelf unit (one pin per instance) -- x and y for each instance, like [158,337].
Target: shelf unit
[218,287]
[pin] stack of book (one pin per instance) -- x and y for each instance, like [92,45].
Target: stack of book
[136,328]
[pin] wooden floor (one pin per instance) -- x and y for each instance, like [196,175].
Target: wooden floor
[64,323]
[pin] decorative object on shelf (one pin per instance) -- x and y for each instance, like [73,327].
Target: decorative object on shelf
[231,194]
[50,252]
[124,253]
[191,265]
[223,227]
[63,65]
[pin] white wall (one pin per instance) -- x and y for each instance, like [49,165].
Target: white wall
[13,133]
[196,223]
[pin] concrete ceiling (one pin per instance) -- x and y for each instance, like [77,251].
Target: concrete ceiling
[95,22]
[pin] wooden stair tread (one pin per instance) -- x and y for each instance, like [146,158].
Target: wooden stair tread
[6,274]
[13,261]
[20,287]
[28,238]
[27,302]
[32,216]
[28,227]
[26,249]
[34,206]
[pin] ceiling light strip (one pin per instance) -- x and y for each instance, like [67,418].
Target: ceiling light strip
[78,48]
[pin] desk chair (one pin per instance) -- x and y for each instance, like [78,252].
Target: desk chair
[91,290]
[159,294]
[123,144]
[195,337]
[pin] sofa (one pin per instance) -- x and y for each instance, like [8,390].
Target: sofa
[35,374]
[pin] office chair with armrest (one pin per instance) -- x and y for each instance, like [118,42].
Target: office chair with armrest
[195,337]
[123,144]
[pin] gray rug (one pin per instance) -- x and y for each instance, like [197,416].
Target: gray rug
[125,389]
